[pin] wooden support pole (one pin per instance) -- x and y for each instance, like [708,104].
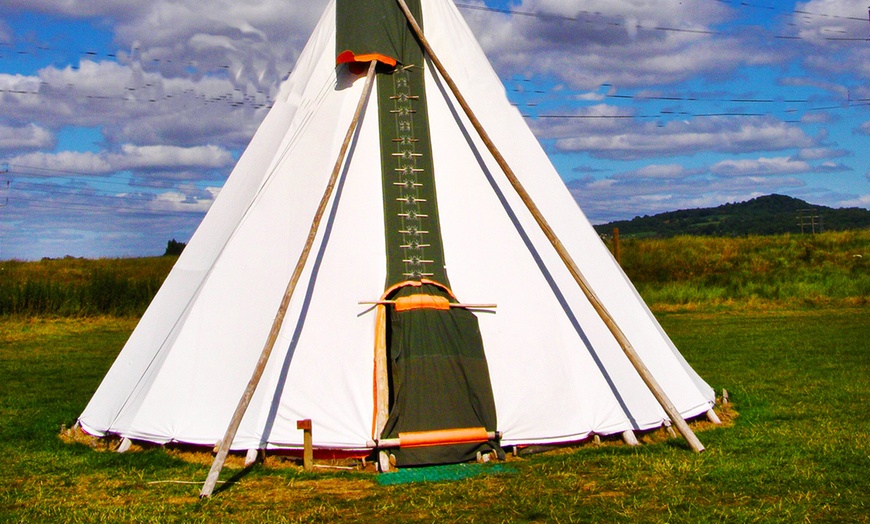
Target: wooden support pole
[251,457]
[236,421]
[629,437]
[382,383]
[596,303]
[452,304]
[713,417]
[125,445]
[307,444]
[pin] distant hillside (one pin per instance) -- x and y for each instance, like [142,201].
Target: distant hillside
[767,215]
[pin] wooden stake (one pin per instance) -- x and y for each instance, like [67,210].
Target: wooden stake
[615,330]
[307,444]
[236,421]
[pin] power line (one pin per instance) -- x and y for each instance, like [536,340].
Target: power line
[790,11]
[666,113]
[97,178]
[55,205]
[43,48]
[229,99]
[2,205]
[638,26]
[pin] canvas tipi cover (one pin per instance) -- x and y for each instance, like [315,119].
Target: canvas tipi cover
[541,367]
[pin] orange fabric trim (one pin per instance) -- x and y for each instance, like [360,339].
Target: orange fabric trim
[419,301]
[442,437]
[347,56]
[416,283]
[381,340]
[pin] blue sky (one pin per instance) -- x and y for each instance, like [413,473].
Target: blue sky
[120,121]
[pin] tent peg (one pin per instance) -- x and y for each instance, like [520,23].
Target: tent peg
[713,417]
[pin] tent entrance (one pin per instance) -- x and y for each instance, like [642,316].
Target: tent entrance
[438,378]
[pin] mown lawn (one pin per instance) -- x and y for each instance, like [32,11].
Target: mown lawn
[798,451]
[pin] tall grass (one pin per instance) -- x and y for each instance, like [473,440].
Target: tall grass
[802,269]
[807,269]
[78,287]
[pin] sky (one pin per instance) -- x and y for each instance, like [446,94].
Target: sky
[120,121]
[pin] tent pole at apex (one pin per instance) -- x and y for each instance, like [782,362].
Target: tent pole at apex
[605,315]
[236,421]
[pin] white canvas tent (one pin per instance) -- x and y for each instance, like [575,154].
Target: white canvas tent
[557,372]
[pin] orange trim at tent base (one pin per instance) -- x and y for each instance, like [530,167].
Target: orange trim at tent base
[440,437]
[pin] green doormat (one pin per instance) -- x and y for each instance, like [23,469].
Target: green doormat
[442,473]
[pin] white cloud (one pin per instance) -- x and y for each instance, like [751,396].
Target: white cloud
[164,157]
[131,157]
[29,136]
[864,128]
[861,201]
[626,139]
[830,21]
[132,105]
[821,153]
[619,199]
[658,172]
[627,42]
[175,201]
[760,166]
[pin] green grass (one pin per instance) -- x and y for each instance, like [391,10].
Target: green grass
[765,271]
[824,269]
[78,287]
[799,451]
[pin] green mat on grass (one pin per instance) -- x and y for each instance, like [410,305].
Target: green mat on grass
[442,473]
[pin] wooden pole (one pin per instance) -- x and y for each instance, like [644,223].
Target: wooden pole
[596,303]
[224,449]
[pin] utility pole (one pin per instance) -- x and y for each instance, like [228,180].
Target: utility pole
[809,218]
[2,205]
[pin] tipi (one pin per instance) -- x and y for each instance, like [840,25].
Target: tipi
[421,217]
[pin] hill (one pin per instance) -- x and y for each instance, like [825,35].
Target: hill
[766,215]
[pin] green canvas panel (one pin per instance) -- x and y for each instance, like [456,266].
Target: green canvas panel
[438,373]
[413,236]
[439,379]
[375,26]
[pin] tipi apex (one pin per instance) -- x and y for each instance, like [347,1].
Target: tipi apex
[419,188]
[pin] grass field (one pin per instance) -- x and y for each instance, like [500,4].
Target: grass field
[684,272]
[798,451]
